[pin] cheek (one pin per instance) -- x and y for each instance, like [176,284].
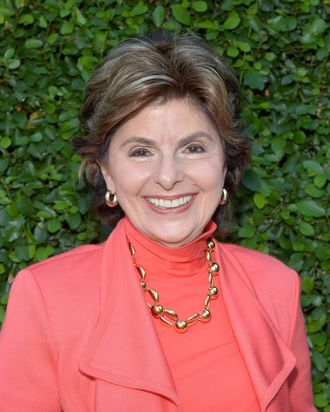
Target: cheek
[130,180]
[209,176]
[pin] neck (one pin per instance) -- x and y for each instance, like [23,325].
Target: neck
[167,263]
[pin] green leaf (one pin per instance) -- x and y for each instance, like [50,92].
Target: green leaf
[2,312]
[158,15]
[14,64]
[40,233]
[32,43]
[232,52]
[283,23]
[314,191]
[320,181]
[9,53]
[254,80]
[74,221]
[259,200]
[80,18]
[42,22]
[320,400]
[319,361]
[51,39]
[306,229]
[53,225]
[199,6]
[43,252]
[313,29]
[316,26]
[232,21]
[313,167]
[310,208]
[244,46]
[251,180]
[181,14]
[24,205]
[3,164]
[5,142]
[67,28]
[307,284]
[21,253]
[26,19]
[139,9]
[86,62]
[278,145]
[296,261]
[247,231]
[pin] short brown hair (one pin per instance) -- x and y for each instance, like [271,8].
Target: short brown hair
[145,69]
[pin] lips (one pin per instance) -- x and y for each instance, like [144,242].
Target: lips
[163,203]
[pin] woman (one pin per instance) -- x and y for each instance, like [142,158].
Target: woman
[160,317]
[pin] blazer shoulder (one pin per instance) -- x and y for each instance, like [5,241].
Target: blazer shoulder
[263,271]
[259,260]
[80,261]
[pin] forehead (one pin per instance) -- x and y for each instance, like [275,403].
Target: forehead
[175,118]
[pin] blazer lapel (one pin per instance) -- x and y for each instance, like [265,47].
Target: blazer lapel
[266,355]
[124,348]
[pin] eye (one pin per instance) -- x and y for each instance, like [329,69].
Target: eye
[195,148]
[139,152]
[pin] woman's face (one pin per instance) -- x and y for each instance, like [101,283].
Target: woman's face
[166,165]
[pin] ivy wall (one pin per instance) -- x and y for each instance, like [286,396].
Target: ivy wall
[280,51]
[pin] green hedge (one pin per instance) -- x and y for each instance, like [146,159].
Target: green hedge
[280,50]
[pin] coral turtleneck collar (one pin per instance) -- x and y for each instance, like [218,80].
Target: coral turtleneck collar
[163,262]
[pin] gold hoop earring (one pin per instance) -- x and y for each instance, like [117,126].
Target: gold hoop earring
[224,197]
[111,199]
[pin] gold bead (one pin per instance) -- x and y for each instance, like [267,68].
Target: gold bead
[157,310]
[154,294]
[214,268]
[141,271]
[143,285]
[210,244]
[167,322]
[206,315]
[193,318]
[171,314]
[213,292]
[181,326]
[131,248]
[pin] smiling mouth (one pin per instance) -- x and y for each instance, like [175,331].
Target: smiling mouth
[170,203]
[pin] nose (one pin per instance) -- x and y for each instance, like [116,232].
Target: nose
[169,172]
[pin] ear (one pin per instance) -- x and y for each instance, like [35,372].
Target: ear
[109,181]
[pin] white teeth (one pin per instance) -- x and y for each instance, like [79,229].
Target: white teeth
[168,204]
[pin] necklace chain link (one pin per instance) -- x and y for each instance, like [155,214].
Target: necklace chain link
[169,316]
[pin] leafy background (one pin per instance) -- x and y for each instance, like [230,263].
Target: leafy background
[280,51]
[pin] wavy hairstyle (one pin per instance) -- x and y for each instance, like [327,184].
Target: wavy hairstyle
[159,67]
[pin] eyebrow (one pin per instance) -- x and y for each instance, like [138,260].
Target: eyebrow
[149,142]
[191,137]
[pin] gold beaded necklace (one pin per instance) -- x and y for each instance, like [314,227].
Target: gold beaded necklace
[170,317]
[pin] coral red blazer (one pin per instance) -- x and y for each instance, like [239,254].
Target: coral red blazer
[78,336]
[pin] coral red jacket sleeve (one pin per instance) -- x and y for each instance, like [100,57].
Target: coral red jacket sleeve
[28,375]
[301,395]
